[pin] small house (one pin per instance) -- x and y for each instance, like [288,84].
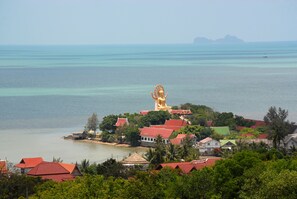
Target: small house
[290,140]
[180,138]
[187,167]
[228,144]
[149,134]
[207,145]
[26,164]
[122,122]
[135,159]
[55,171]
[3,167]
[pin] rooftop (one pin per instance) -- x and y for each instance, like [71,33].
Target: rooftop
[121,122]
[27,163]
[187,167]
[3,166]
[134,159]
[154,132]
[205,140]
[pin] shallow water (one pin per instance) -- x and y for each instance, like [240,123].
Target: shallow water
[49,91]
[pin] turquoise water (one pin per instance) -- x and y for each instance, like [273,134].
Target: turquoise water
[58,87]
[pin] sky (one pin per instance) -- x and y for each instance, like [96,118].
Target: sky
[56,22]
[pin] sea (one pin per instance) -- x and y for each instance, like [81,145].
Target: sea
[47,92]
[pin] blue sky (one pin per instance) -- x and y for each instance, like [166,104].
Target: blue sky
[144,21]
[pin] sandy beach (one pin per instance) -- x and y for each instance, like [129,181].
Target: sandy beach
[112,144]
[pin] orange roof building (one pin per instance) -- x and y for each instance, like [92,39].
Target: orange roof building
[187,167]
[121,122]
[3,167]
[149,134]
[55,171]
[180,137]
[172,124]
[28,163]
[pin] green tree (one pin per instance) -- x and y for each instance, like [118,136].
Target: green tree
[15,185]
[157,155]
[154,118]
[240,121]
[199,131]
[278,125]
[171,153]
[111,168]
[92,123]
[132,135]
[187,152]
[225,119]
[108,123]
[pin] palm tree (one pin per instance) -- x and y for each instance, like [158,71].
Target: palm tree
[171,154]
[84,165]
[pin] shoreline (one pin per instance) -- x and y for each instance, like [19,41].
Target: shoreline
[111,144]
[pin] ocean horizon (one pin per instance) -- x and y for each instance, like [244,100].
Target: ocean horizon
[54,89]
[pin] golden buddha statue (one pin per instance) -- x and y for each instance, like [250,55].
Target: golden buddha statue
[160,99]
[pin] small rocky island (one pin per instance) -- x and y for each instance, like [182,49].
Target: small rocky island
[228,39]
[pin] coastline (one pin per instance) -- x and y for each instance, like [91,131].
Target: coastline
[111,144]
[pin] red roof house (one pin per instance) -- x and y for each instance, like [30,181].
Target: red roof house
[3,167]
[187,167]
[262,136]
[55,171]
[28,163]
[180,137]
[149,134]
[144,112]
[173,122]
[121,122]
[154,132]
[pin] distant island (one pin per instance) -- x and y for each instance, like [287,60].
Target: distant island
[228,39]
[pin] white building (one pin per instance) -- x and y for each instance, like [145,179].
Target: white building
[290,140]
[207,145]
[149,134]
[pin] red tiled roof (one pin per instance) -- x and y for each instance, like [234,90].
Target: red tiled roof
[210,162]
[263,136]
[27,163]
[48,168]
[179,138]
[205,140]
[68,167]
[3,166]
[258,123]
[181,112]
[145,112]
[175,123]
[154,132]
[121,122]
[176,141]
[187,167]
[175,128]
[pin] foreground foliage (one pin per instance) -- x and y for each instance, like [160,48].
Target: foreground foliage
[247,174]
